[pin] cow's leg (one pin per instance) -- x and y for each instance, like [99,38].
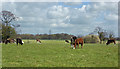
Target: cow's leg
[21,42]
[17,43]
[71,45]
[78,44]
[40,42]
[81,45]
[6,43]
[114,42]
[75,45]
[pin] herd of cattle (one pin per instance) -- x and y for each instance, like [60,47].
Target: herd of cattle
[17,41]
[76,41]
[73,41]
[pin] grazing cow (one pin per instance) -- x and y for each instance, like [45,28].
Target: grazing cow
[77,42]
[38,40]
[19,41]
[66,41]
[111,41]
[12,41]
[9,41]
[73,40]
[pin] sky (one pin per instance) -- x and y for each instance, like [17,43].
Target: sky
[76,18]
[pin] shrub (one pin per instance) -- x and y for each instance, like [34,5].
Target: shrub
[91,39]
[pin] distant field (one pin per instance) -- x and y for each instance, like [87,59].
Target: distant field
[57,53]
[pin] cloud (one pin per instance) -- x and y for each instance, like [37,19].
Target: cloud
[39,17]
[61,1]
[102,6]
[73,3]
[61,25]
[111,17]
[57,12]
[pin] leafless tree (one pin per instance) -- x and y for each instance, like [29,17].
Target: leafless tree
[7,17]
[101,33]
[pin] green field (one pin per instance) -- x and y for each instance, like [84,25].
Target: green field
[57,53]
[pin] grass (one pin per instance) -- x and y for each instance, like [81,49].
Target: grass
[57,53]
[0,55]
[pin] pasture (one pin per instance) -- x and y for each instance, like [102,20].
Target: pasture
[57,53]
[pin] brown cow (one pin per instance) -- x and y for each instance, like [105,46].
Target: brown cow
[9,40]
[38,40]
[77,42]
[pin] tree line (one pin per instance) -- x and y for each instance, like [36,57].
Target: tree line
[58,36]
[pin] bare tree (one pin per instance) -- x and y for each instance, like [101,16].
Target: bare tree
[98,30]
[101,33]
[6,17]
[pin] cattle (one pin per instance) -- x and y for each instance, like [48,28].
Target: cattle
[111,41]
[19,41]
[38,40]
[73,41]
[9,41]
[77,42]
[66,41]
[12,41]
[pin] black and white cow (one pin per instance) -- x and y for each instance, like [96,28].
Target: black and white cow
[110,41]
[19,41]
[73,41]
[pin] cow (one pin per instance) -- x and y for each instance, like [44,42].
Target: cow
[111,41]
[66,41]
[38,40]
[73,41]
[9,41]
[12,41]
[77,42]
[19,41]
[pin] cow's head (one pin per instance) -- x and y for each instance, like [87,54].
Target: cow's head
[22,42]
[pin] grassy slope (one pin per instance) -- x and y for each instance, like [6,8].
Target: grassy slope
[55,53]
